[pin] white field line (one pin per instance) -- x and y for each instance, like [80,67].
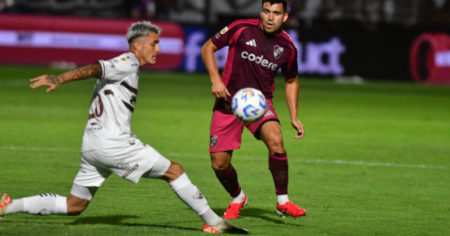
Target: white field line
[205,155]
[39,149]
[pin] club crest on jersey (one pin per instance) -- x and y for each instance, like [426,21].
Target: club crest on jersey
[277,51]
[123,59]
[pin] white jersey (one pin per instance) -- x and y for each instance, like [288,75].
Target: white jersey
[112,105]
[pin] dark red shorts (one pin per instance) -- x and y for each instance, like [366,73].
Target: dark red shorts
[226,129]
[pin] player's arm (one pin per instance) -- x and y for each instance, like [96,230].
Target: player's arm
[80,73]
[218,87]
[292,88]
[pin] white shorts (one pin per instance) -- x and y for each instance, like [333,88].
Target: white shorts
[129,163]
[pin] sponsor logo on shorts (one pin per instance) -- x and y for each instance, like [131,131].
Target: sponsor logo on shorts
[123,165]
[213,141]
[135,167]
[269,113]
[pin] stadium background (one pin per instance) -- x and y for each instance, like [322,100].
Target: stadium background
[376,39]
[376,153]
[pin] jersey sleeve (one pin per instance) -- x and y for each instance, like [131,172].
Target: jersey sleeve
[119,67]
[226,36]
[290,69]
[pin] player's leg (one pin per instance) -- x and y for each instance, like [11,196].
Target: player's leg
[180,183]
[50,203]
[227,175]
[226,133]
[225,172]
[79,199]
[270,133]
[189,193]
[45,204]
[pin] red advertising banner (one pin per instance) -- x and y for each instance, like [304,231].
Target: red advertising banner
[44,40]
[430,58]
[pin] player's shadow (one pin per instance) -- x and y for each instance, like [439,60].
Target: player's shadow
[118,220]
[263,214]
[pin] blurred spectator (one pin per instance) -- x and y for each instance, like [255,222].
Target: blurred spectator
[189,11]
[6,5]
[292,9]
[163,9]
[143,10]
[230,10]
[240,4]
[327,14]
[310,11]
[436,13]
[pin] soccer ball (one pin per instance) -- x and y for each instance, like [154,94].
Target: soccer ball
[249,105]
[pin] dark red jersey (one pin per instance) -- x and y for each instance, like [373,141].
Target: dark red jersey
[254,57]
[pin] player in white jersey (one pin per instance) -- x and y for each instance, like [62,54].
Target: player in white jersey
[108,145]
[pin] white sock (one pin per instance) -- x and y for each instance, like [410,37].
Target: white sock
[239,198]
[190,195]
[44,204]
[282,199]
[14,207]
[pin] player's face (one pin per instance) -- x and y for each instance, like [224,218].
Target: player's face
[272,17]
[147,48]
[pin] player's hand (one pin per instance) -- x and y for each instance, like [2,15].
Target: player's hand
[220,90]
[299,127]
[51,81]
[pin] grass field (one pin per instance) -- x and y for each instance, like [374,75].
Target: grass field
[374,161]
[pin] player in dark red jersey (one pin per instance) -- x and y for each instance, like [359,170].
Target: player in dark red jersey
[257,49]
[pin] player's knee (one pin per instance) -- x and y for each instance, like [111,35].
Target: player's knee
[75,210]
[220,165]
[220,161]
[175,170]
[76,205]
[275,144]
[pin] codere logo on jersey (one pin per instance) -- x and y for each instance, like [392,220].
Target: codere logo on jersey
[259,60]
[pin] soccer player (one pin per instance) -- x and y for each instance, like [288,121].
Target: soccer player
[108,144]
[257,49]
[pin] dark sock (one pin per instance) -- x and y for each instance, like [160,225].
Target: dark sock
[278,166]
[229,181]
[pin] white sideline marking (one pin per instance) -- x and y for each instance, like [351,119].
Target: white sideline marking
[42,149]
[337,162]
[204,155]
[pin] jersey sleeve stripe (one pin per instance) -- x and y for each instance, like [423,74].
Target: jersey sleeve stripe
[292,47]
[292,57]
[244,21]
[228,66]
[236,35]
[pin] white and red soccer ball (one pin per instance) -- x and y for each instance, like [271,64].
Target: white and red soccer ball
[249,105]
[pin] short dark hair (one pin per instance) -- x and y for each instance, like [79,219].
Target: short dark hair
[284,2]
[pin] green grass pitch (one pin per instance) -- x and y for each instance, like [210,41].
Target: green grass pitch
[374,161]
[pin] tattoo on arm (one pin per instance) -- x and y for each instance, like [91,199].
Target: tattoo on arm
[51,79]
[84,72]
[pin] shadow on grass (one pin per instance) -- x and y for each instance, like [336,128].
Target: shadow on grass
[267,215]
[117,220]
